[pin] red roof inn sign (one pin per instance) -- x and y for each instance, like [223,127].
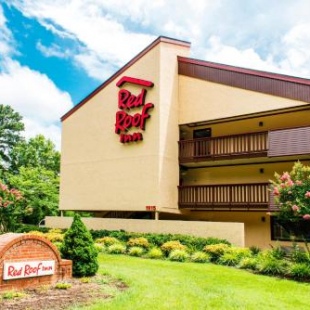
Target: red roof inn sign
[17,270]
[128,102]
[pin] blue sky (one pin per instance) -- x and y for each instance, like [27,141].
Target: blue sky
[53,53]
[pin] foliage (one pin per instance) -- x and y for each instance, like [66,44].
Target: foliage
[178,255]
[292,193]
[37,152]
[11,126]
[63,285]
[136,251]
[155,253]
[255,250]
[55,235]
[216,250]
[191,242]
[200,257]
[140,242]
[116,248]
[232,256]
[107,241]
[170,246]
[300,271]
[24,228]
[248,263]
[79,246]
[272,266]
[277,252]
[40,191]
[10,208]
[13,294]
[298,255]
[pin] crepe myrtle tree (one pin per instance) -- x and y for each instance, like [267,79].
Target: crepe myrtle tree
[10,208]
[292,195]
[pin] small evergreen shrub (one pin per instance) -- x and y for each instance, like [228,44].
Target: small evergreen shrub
[155,253]
[99,247]
[136,251]
[300,271]
[58,245]
[178,255]
[116,248]
[216,250]
[248,263]
[107,241]
[54,235]
[79,246]
[170,246]
[139,242]
[200,257]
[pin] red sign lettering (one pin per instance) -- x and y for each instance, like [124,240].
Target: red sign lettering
[127,101]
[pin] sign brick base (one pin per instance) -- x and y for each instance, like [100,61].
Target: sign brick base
[29,261]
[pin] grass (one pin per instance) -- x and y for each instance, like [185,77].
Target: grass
[158,284]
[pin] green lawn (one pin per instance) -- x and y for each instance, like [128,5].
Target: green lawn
[157,284]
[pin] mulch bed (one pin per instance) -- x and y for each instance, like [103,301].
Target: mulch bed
[50,298]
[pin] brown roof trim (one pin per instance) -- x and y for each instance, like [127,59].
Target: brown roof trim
[265,82]
[160,39]
[299,108]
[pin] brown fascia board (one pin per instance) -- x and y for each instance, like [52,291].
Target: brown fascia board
[253,72]
[124,68]
[280,85]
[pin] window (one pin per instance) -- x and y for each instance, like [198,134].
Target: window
[286,231]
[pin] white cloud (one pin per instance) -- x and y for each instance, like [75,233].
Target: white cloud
[6,40]
[35,97]
[53,50]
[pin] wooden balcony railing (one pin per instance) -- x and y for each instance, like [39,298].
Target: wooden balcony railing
[243,145]
[226,197]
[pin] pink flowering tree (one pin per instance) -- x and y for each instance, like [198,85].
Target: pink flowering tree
[10,208]
[292,195]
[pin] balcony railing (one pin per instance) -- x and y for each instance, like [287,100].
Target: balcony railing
[243,145]
[226,197]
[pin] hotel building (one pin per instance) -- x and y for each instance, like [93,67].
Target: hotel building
[168,137]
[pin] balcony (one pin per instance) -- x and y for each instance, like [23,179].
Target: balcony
[224,147]
[249,197]
[268,144]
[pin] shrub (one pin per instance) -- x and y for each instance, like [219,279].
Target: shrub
[79,246]
[36,233]
[277,252]
[170,246]
[136,251]
[216,250]
[229,259]
[63,285]
[300,271]
[55,235]
[299,255]
[107,241]
[58,245]
[116,248]
[155,253]
[99,247]
[139,242]
[255,250]
[200,257]
[178,255]
[248,263]
[272,266]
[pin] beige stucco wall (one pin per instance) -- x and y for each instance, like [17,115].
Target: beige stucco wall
[203,100]
[100,173]
[233,232]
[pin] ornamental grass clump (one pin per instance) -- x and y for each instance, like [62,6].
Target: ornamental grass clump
[170,246]
[200,257]
[249,263]
[140,242]
[232,256]
[299,271]
[216,250]
[178,256]
[155,253]
[136,251]
[116,248]
[107,241]
[79,246]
